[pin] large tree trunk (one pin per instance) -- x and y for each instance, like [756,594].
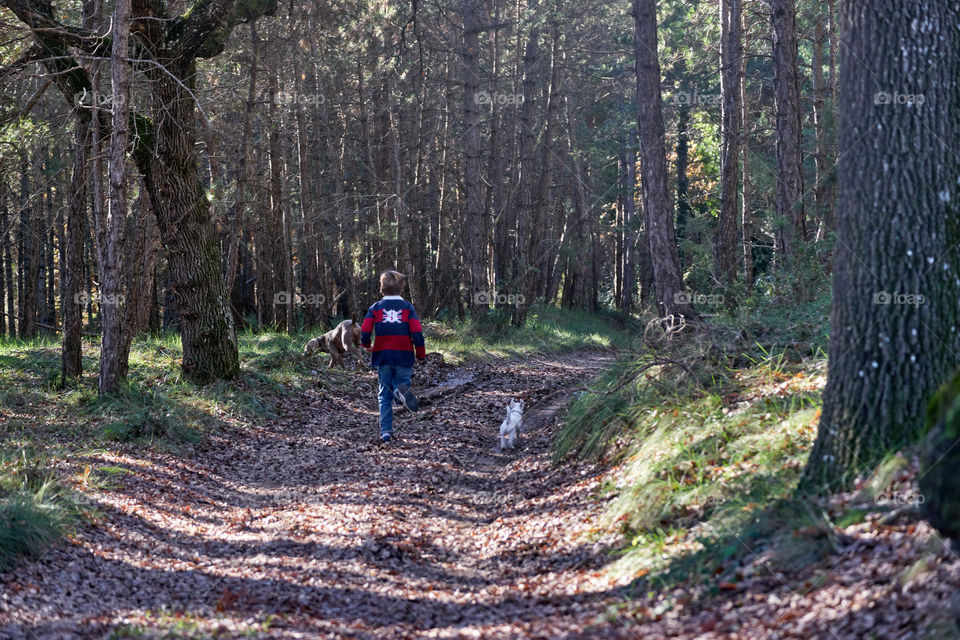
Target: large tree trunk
[730,55]
[786,88]
[668,281]
[893,325]
[183,216]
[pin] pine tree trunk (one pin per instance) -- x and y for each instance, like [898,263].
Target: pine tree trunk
[896,234]
[684,211]
[110,229]
[282,297]
[141,265]
[29,260]
[527,162]
[71,362]
[537,255]
[48,284]
[314,315]
[6,284]
[243,163]
[746,222]
[630,232]
[730,57]
[819,108]
[786,88]
[668,281]
[474,242]
[619,226]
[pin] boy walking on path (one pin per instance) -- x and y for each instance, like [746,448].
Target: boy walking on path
[399,337]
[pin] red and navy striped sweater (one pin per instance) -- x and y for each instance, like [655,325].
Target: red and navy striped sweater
[398,332]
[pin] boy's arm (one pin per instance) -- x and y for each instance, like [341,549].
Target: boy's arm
[416,334]
[366,329]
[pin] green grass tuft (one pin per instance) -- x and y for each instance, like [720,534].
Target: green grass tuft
[548,330]
[705,457]
[35,510]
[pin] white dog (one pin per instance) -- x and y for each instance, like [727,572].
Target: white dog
[511,425]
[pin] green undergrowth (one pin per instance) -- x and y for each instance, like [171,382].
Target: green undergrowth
[43,423]
[547,330]
[35,510]
[706,438]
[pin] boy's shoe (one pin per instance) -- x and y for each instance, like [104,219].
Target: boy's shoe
[385,438]
[406,397]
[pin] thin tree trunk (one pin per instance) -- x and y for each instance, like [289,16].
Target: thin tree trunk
[527,161]
[240,204]
[621,230]
[71,362]
[682,147]
[630,231]
[834,47]
[536,254]
[730,56]
[110,229]
[474,241]
[6,282]
[48,283]
[746,223]
[314,313]
[29,258]
[819,108]
[276,231]
[141,263]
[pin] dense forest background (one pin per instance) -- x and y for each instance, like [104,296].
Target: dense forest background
[488,150]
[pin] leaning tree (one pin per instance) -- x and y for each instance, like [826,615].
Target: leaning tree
[165,48]
[894,323]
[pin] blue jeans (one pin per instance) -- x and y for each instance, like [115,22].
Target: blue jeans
[391,376]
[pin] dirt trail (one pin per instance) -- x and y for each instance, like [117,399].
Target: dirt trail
[307,527]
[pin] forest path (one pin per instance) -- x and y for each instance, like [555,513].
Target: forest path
[307,527]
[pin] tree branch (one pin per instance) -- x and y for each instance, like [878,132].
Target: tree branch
[46,28]
[203,30]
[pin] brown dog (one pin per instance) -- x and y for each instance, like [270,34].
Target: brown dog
[344,338]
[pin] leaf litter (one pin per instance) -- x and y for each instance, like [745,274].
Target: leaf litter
[306,527]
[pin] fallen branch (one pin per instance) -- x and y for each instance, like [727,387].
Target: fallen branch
[444,389]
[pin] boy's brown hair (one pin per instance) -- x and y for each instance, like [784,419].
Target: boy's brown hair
[392,283]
